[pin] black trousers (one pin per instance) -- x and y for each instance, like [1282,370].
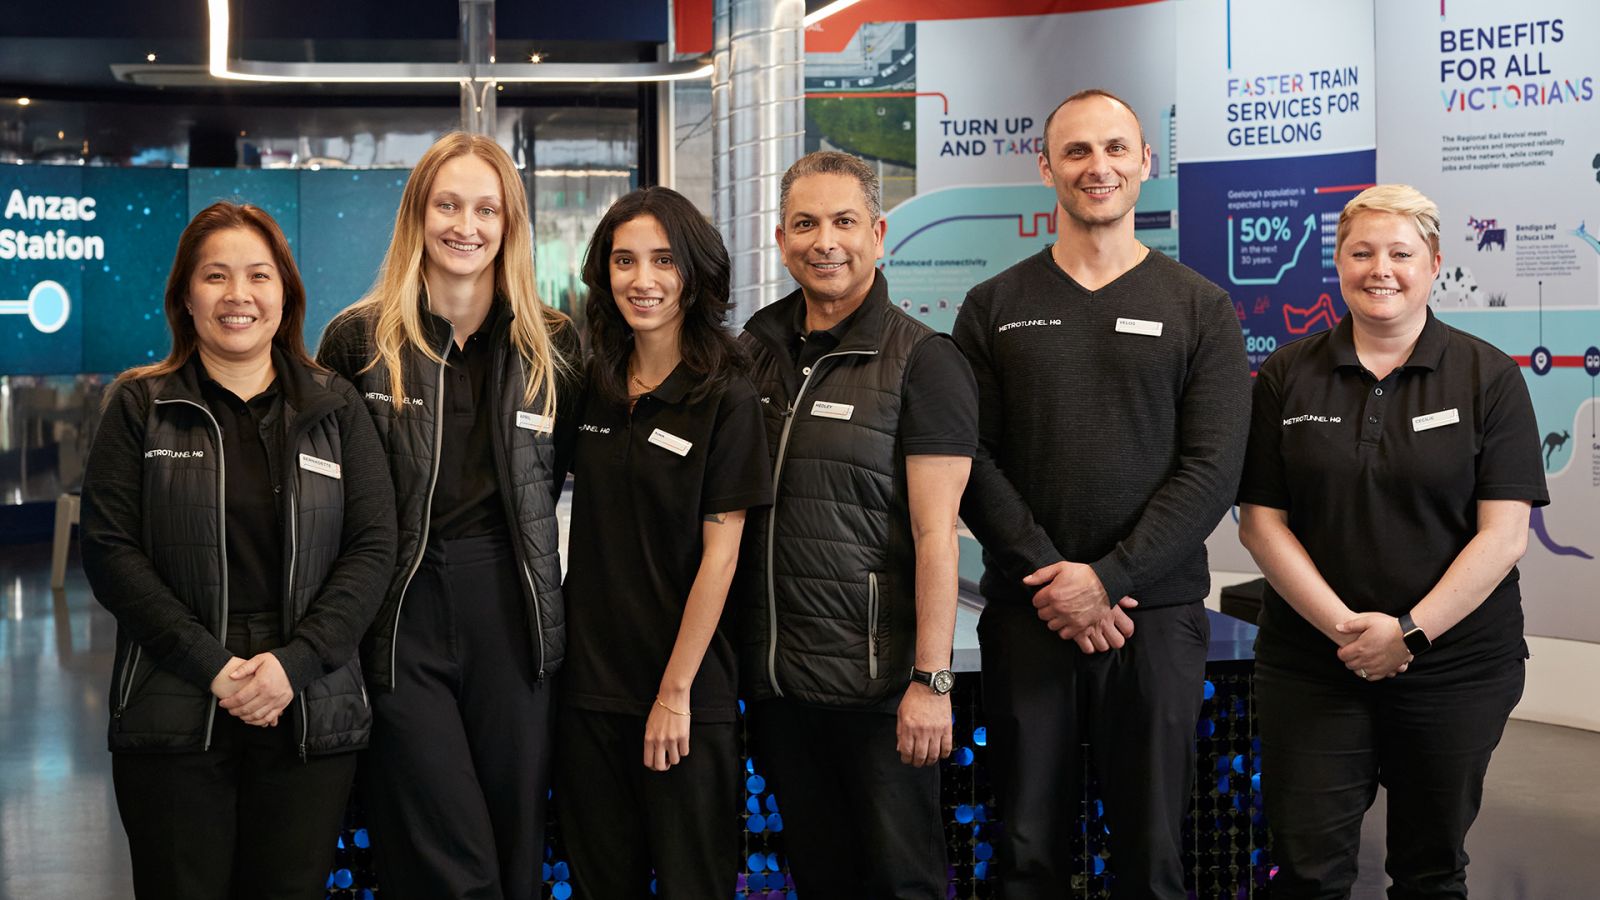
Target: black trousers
[1136,708]
[245,819]
[621,821]
[1326,745]
[456,779]
[858,822]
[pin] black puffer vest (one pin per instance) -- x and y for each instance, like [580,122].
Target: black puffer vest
[185,537]
[524,455]
[827,575]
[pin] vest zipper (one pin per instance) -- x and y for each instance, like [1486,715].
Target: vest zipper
[222,546]
[294,549]
[872,625]
[129,669]
[516,553]
[772,514]
[427,505]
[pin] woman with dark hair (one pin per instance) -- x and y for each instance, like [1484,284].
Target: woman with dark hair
[236,510]
[464,369]
[669,455]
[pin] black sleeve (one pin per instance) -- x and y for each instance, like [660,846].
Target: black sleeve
[339,349]
[939,414]
[570,387]
[1509,463]
[329,633]
[1264,482]
[991,506]
[738,470]
[1214,423]
[123,578]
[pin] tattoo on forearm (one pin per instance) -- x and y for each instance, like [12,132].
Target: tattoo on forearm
[719,518]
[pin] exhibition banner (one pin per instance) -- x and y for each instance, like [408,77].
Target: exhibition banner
[1277,134]
[966,133]
[1491,110]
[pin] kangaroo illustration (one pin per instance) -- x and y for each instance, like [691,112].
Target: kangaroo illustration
[1552,443]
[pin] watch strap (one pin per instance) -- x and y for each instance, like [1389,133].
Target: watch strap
[1415,638]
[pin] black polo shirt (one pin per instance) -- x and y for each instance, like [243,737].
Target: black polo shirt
[466,498]
[642,484]
[252,454]
[1381,481]
[939,407]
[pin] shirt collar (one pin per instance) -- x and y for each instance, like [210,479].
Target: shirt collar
[1425,355]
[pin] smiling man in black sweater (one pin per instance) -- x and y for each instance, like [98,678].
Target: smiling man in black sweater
[1114,401]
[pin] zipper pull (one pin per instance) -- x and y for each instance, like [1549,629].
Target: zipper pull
[302,752]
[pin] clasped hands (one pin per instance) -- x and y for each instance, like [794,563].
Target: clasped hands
[1372,646]
[255,690]
[1074,604]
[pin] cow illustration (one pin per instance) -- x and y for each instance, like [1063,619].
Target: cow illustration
[1492,237]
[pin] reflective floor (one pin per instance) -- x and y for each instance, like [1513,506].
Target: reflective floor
[1537,836]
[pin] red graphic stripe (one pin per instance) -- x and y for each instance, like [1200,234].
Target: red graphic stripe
[1560,362]
[833,33]
[1341,188]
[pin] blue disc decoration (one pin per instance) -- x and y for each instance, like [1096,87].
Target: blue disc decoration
[756,824]
[772,803]
[980,736]
[983,851]
[755,784]
[343,879]
[962,756]
[1209,691]
[361,838]
[756,863]
[561,871]
[752,804]
[1540,360]
[963,814]
[561,890]
[775,822]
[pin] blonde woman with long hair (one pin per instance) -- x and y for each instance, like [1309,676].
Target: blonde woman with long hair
[466,374]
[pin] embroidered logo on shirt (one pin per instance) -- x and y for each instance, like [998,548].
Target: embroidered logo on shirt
[175,454]
[388,398]
[595,429]
[1026,323]
[1296,420]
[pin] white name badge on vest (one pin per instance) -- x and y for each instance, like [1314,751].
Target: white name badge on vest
[320,466]
[1435,420]
[536,422]
[826,410]
[670,441]
[1139,326]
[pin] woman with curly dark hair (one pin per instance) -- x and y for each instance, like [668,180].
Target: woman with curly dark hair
[670,453]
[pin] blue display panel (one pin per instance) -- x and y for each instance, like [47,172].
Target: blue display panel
[85,252]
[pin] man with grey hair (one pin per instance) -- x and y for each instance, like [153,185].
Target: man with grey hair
[847,584]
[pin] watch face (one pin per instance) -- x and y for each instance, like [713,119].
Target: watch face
[943,681]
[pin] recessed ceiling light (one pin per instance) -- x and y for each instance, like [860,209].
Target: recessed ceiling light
[149,57]
[23,101]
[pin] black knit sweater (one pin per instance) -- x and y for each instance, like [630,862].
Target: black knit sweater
[1099,444]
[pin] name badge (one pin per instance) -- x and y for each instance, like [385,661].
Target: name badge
[841,411]
[1139,326]
[670,441]
[320,466]
[536,422]
[1435,420]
